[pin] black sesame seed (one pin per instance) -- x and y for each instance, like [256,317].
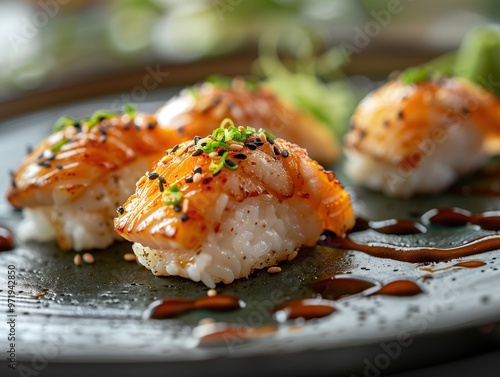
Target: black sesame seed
[137,127]
[175,148]
[197,170]
[44,164]
[103,138]
[162,180]
[184,217]
[271,141]
[160,185]
[285,153]
[59,166]
[231,163]
[103,130]
[276,151]
[78,126]
[153,175]
[251,146]
[151,125]
[177,208]
[197,153]
[258,142]
[240,156]
[189,180]
[221,152]
[12,180]
[120,210]
[196,139]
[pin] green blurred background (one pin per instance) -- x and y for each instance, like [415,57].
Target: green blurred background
[57,50]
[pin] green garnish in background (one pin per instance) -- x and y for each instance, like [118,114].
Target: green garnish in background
[477,60]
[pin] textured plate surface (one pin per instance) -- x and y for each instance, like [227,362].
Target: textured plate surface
[93,313]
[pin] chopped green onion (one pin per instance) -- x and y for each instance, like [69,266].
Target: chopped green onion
[220,81]
[57,146]
[62,122]
[267,133]
[217,164]
[172,196]
[130,110]
[415,75]
[100,115]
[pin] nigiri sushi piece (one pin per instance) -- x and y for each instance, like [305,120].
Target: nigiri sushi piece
[418,138]
[217,208]
[70,185]
[199,110]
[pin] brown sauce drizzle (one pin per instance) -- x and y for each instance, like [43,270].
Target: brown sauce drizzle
[414,254]
[458,217]
[6,239]
[171,308]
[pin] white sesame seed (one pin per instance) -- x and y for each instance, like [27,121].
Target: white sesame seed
[274,270]
[213,155]
[263,137]
[88,258]
[235,147]
[206,321]
[129,257]
[77,259]
[141,181]
[197,177]
[292,255]
[185,205]
[211,292]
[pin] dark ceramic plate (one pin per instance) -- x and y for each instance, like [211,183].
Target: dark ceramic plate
[92,315]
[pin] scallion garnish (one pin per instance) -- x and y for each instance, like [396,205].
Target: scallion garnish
[172,196]
[130,110]
[62,122]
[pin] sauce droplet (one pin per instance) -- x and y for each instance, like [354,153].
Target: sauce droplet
[6,239]
[222,334]
[464,264]
[306,309]
[170,308]
[335,288]
[399,288]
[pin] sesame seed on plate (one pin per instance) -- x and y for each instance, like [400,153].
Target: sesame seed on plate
[77,259]
[129,257]
[211,292]
[88,258]
[274,270]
